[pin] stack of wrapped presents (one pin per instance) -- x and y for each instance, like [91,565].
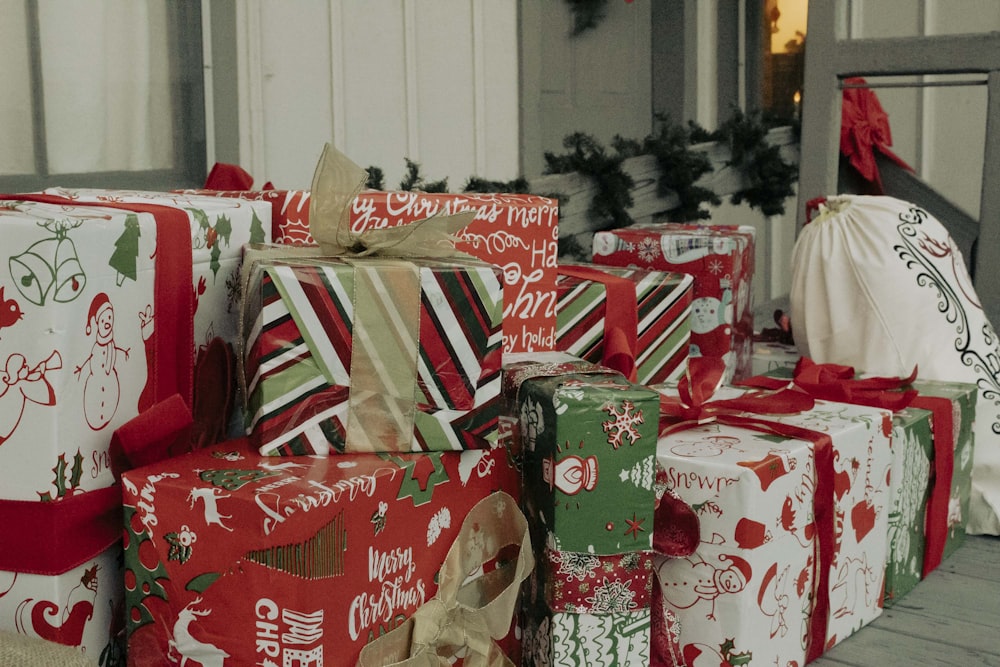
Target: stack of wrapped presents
[352,427]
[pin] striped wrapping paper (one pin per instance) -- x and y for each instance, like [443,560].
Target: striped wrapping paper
[663,302]
[302,344]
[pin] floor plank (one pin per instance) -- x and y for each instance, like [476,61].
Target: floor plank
[950,618]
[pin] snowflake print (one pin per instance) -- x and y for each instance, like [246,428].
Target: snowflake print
[612,597]
[649,250]
[577,565]
[623,424]
[631,561]
[439,522]
[715,267]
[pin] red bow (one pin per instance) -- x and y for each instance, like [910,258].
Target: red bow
[621,318]
[231,177]
[864,127]
[834,382]
[704,376]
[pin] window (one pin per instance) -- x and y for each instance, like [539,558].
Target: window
[101,93]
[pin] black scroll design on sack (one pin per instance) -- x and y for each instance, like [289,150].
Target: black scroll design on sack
[950,305]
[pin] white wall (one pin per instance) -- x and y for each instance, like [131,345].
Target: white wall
[381,80]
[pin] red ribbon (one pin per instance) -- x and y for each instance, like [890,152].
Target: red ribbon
[695,406]
[225,176]
[864,128]
[834,382]
[51,538]
[621,318]
[936,531]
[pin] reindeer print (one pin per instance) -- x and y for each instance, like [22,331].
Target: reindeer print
[185,647]
[210,496]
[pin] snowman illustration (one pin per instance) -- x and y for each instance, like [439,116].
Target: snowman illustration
[682,249]
[710,324]
[688,581]
[101,389]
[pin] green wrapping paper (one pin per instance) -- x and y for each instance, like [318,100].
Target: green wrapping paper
[963,397]
[912,453]
[588,440]
[589,443]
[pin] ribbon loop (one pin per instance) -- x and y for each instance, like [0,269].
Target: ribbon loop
[698,386]
[465,613]
[337,181]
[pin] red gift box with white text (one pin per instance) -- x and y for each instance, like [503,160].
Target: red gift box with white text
[237,558]
[517,232]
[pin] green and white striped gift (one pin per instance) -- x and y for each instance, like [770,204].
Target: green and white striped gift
[372,354]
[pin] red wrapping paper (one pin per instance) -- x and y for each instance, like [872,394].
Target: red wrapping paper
[229,552]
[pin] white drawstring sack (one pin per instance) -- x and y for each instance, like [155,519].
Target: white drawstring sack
[879,284]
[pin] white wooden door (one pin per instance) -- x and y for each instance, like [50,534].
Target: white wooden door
[598,82]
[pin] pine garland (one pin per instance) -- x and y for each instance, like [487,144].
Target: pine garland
[770,178]
[586,14]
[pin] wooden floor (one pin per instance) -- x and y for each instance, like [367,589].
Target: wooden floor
[951,618]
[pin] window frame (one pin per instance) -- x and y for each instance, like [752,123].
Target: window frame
[184,40]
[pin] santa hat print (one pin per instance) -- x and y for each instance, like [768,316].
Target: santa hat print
[100,302]
[737,566]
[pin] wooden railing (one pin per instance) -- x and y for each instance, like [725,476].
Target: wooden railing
[577,190]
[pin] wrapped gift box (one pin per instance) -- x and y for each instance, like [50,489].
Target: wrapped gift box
[564,639]
[749,587]
[920,536]
[83,606]
[232,554]
[964,397]
[372,355]
[587,436]
[721,259]
[770,356]
[107,299]
[518,233]
[594,301]
[82,333]
[931,474]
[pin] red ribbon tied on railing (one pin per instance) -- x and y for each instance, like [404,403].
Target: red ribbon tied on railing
[864,128]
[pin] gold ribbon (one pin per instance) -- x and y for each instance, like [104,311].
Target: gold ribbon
[383,401]
[336,183]
[471,614]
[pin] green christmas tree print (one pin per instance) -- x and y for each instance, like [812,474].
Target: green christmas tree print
[256,229]
[142,582]
[641,474]
[123,259]
[232,479]
[422,474]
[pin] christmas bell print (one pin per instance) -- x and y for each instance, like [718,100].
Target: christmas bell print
[50,268]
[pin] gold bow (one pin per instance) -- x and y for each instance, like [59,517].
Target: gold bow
[463,614]
[382,405]
[336,183]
